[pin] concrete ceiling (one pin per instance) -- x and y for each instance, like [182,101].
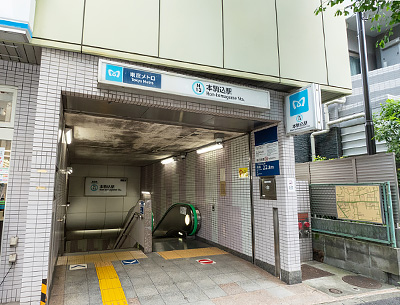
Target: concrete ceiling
[115,141]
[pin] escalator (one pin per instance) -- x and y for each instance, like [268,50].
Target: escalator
[180,220]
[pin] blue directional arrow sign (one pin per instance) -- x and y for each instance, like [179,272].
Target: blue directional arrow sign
[130,262]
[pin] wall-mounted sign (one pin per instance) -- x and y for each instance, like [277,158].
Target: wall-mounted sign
[105,187]
[2,152]
[303,111]
[243,172]
[129,76]
[3,174]
[267,152]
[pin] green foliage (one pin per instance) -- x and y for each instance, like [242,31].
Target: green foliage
[387,127]
[378,12]
[319,158]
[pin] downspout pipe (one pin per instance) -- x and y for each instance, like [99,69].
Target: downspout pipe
[329,123]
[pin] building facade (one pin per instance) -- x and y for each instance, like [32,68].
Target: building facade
[51,84]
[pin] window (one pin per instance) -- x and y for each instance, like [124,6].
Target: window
[355,67]
[8,97]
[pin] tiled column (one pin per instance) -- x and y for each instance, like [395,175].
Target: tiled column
[286,204]
[25,78]
[41,186]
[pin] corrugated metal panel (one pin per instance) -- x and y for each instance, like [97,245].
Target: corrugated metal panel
[353,141]
[380,168]
[333,171]
[323,200]
[303,172]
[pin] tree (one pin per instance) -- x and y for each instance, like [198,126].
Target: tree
[387,127]
[382,13]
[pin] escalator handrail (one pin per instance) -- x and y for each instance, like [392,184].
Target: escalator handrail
[194,216]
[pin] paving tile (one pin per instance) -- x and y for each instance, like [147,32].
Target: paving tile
[279,292]
[249,285]
[162,289]
[151,300]
[57,290]
[222,279]
[76,287]
[57,299]
[206,283]
[77,298]
[95,298]
[134,301]
[195,295]
[205,302]
[129,291]
[214,292]
[232,288]
[145,290]
[140,280]
[174,298]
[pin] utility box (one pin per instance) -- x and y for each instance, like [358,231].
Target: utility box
[268,188]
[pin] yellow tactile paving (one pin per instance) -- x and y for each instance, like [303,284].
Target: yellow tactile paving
[62,261]
[92,258]
[169,255]
[102,264]
[73,260]
[110,285]
[138,254]
[124,255]
[191,253]
[102,257]
[108,257]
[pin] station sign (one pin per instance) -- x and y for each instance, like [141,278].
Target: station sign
[128,76]
[303,111]
[267,152]
[105,187]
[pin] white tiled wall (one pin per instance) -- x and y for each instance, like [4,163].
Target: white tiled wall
[89,213]
[286,204]
[30,209]
[199,184]
[25,77]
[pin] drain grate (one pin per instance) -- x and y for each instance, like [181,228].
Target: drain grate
[335,291]
[361,281]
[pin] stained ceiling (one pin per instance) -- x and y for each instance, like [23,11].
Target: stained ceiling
[114,133]
[102,140]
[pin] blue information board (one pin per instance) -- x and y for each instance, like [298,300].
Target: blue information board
[132,76]
[142,78]
[267,152]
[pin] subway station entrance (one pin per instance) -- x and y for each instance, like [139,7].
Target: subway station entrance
[141,204]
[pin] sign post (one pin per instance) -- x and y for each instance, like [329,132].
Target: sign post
[303,111]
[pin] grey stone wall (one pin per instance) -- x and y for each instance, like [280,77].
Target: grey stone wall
[373,260]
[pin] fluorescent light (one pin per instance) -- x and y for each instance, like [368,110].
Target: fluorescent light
[167,161]
[145,193]
[210,148]
[68,135]
[180,233]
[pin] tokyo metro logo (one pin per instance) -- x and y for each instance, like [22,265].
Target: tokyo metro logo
[299,103]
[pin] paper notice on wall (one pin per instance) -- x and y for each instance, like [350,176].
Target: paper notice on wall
[222,188]
[4,175]
[243,172]
[267,152]
[2,152]
[222,174]
[291,184]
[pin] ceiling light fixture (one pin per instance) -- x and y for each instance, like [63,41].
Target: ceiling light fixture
[210,148]
[145,193]
[167,161]
[68,135]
